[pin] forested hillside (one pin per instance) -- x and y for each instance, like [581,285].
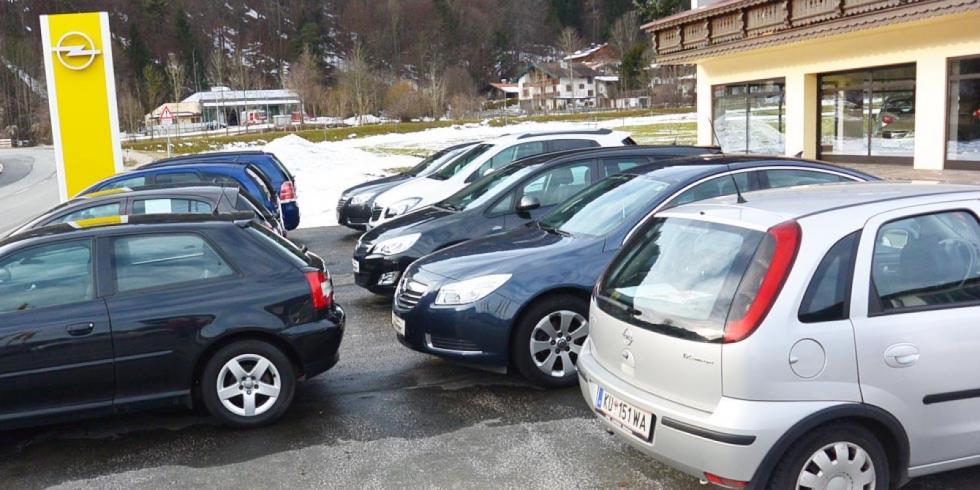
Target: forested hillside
[168,49]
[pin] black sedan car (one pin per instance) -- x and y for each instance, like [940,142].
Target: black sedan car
[520,300]
[99,318]
[164,199]
[520,192]
[354,206]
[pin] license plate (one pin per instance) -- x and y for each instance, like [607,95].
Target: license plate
[398,324]
[638,422]
[356,265]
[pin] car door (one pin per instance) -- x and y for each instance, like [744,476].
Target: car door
[551,188]
[915,311]
[55,339]
[167,288]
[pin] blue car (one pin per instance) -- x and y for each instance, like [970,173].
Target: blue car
[520,299]
[283,182]
[247,177]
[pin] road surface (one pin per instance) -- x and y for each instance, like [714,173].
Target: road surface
[28,185]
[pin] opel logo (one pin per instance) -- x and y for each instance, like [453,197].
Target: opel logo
[627,337]
[76,51]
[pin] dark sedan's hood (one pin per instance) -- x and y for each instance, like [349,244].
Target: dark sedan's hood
[521,251]
[420,221]
[391,179]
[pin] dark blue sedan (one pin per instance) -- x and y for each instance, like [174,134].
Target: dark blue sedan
[520,299]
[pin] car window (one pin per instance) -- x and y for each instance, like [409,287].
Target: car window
[146,261]
[615,165]
[789,177]
[48,275]
[513,154]
[131,182]
[558,184]
[926,261]
[487,188]
[170,205]
[457,165]
[603,207]
[177,178]
[100,211]
[562,145]
[826,297]
[718,186]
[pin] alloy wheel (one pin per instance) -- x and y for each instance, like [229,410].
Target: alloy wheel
[838,466]
[248,385]
[556,341]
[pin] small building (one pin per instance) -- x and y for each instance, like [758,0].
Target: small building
[180,112]
[222,106]
[598,57]
[552,86]
[887,81]
[503,91]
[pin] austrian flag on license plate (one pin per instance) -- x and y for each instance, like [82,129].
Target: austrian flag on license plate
[639,422]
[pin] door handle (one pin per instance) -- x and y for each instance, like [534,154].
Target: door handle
[901,355]
[79,329]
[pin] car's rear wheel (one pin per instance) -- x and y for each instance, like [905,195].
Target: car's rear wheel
[548,339]
[844,455]
[249,383]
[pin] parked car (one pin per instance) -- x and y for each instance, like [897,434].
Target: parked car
[519,300]
[278,175]
[806,338]
[481,160]
[158,310]
[355,203]
[521,192]
[207,199]
[896,118]
[248,177]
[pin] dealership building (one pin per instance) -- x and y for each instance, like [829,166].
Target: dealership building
[854,81]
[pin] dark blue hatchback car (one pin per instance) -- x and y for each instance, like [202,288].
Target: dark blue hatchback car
[520,299]
[283,182]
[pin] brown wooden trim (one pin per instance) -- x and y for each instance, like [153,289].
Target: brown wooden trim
[857,159]
[962,165]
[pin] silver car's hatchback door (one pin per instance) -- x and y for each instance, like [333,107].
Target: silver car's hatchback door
[916,316]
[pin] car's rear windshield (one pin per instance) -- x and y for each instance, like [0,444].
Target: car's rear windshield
[678,277]
[605,206]
[457,165]
[487,188]
[282,167]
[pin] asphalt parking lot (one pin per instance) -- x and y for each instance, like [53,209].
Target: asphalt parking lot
[385,417]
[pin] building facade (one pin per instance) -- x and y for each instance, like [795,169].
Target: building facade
[553,86]
[885,81]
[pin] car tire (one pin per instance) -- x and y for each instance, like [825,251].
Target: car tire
[237,394]
[551,362]
[850,452]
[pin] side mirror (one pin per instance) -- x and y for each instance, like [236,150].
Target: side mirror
[527,203]
[488,171]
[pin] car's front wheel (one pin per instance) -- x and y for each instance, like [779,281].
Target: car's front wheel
[249,383]
[548,339]
[843,455]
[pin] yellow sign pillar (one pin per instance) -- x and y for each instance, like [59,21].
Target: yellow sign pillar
[82,99]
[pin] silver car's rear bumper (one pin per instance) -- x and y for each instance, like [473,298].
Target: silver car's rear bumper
[729,442]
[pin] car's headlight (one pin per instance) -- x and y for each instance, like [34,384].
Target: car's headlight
[402,207]
[397,245]
[470,290]
[358,199]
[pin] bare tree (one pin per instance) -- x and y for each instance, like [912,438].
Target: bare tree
[568,42]
[625,32]
[304,78]
[358,73]
[436,91]
[177,74]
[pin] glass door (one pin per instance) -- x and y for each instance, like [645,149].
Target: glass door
[868,115]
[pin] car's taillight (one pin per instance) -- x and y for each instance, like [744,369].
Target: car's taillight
[321,289]
[725,482]
[287,191]
[763,280]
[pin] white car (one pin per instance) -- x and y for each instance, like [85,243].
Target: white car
[480,160]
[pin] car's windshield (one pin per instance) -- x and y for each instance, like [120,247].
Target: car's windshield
[434,161]
[605,206]
[447,172]
[487,188]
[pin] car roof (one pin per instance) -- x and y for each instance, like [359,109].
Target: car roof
[598,134]
[763,209]
[210,165]
[88,227]
[736,162]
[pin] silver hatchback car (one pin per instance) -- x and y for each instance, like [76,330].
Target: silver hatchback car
[820,337]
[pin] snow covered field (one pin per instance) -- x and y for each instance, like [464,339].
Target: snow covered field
[324,170]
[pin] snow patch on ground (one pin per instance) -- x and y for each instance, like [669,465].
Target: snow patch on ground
[323,170]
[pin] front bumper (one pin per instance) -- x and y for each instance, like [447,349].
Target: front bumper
[730,442]
[371,268]
[317,344]
[354,216]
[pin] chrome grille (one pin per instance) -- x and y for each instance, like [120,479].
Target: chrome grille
[376,212]
[460,345]
[409,293]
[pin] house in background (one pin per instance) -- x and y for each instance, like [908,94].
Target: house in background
[180,112]
[598,57]
[890,81]
[224,107]
[503,90]
[552,86]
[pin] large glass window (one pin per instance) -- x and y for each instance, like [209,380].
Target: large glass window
[868,114]
[750,117]
[963,130]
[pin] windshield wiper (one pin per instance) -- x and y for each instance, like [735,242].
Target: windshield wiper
[449,206]
[552,229]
